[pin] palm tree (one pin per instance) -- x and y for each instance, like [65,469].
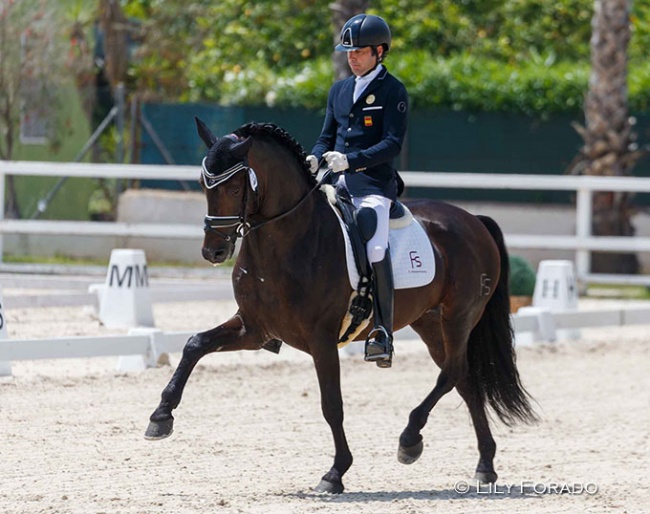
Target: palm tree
[342,11]
[609,141]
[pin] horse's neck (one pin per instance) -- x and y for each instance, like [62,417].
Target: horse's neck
[296,241]
[283,190]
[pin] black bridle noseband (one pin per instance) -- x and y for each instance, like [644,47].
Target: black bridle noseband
[239,221]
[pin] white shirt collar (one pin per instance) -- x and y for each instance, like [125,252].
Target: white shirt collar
[361,83]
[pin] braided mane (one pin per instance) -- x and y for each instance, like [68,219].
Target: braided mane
[281,136]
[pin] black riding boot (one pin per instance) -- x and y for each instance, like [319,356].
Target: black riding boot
[379,345]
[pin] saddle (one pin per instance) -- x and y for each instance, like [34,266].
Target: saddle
[411,252]
[360,308]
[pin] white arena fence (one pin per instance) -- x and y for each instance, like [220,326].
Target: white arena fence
[145,346]
[582,243]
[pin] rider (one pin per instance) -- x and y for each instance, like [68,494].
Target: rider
[364,127]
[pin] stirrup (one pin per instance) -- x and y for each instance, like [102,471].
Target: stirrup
[379,351]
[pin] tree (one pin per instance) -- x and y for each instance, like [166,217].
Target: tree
[342,11]
[31,73]
[206,47]
[115,28]
[609,141]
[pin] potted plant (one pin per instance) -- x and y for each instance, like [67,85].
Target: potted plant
[522,283]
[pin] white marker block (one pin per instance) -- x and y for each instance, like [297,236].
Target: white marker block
[125,299]
[555,286]
[556,289]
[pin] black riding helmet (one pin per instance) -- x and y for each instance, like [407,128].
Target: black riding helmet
[364,30]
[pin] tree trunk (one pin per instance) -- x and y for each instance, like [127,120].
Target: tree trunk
[115,27]
[342,11]
[609,147]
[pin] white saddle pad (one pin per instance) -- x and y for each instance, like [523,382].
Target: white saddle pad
[410,250]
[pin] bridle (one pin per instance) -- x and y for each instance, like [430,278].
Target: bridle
[242,227]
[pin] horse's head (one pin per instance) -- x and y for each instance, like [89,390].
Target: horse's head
[227,181]
[242,200]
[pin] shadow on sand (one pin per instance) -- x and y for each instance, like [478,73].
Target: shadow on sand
[483,492]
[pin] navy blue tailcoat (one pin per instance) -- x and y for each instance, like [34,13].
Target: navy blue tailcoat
[369,131]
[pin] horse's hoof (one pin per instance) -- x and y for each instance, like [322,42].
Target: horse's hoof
[485,477]
[328,487]
[411,454]
[159,429]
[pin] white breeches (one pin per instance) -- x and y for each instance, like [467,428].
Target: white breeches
[376,246]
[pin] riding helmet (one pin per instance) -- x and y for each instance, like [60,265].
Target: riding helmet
[364,30]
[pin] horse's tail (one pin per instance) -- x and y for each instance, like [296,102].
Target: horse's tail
[491,353]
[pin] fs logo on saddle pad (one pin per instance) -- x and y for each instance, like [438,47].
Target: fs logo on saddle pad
[410,249]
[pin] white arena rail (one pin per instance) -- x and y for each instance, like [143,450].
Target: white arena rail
[582,243]
[151,344]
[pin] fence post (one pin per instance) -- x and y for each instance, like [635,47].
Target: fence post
[2,211]
[151,359]
[5,366]
[583,231]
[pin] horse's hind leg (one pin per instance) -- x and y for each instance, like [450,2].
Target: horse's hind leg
[447,344]
[486,446]
[231,335]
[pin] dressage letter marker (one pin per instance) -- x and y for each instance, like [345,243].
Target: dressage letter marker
[555,287]
[557,291]
[125,300]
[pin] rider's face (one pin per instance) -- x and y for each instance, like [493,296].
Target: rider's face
[363,60]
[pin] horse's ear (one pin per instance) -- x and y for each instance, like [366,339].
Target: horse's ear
[241,149]
[205,133]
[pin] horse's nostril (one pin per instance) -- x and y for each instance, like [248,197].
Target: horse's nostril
[208,254]
[214,255]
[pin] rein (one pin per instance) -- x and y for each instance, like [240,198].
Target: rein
[242,226]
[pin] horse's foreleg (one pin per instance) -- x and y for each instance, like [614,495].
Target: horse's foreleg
[231,335]
[329,381]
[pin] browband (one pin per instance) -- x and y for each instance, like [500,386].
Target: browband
[212,180]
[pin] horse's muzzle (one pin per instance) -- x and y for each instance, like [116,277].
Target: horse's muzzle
[217,255]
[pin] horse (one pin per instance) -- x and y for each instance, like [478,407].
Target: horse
[291,285]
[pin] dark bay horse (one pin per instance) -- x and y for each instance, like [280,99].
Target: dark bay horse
[291,284]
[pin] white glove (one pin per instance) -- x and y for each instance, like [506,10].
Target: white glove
[312,162]
[336,161]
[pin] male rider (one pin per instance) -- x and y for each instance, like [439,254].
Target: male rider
[364,128]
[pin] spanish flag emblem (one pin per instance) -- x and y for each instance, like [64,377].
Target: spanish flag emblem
[367,121]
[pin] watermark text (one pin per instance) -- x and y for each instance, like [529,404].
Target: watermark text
[525,487]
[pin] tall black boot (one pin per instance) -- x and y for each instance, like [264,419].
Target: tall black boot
[379,345]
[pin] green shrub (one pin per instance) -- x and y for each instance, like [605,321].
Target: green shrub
[519,56]
[539,88]
[522,277]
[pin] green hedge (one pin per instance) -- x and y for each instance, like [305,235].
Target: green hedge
[523,56]
[537,88]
